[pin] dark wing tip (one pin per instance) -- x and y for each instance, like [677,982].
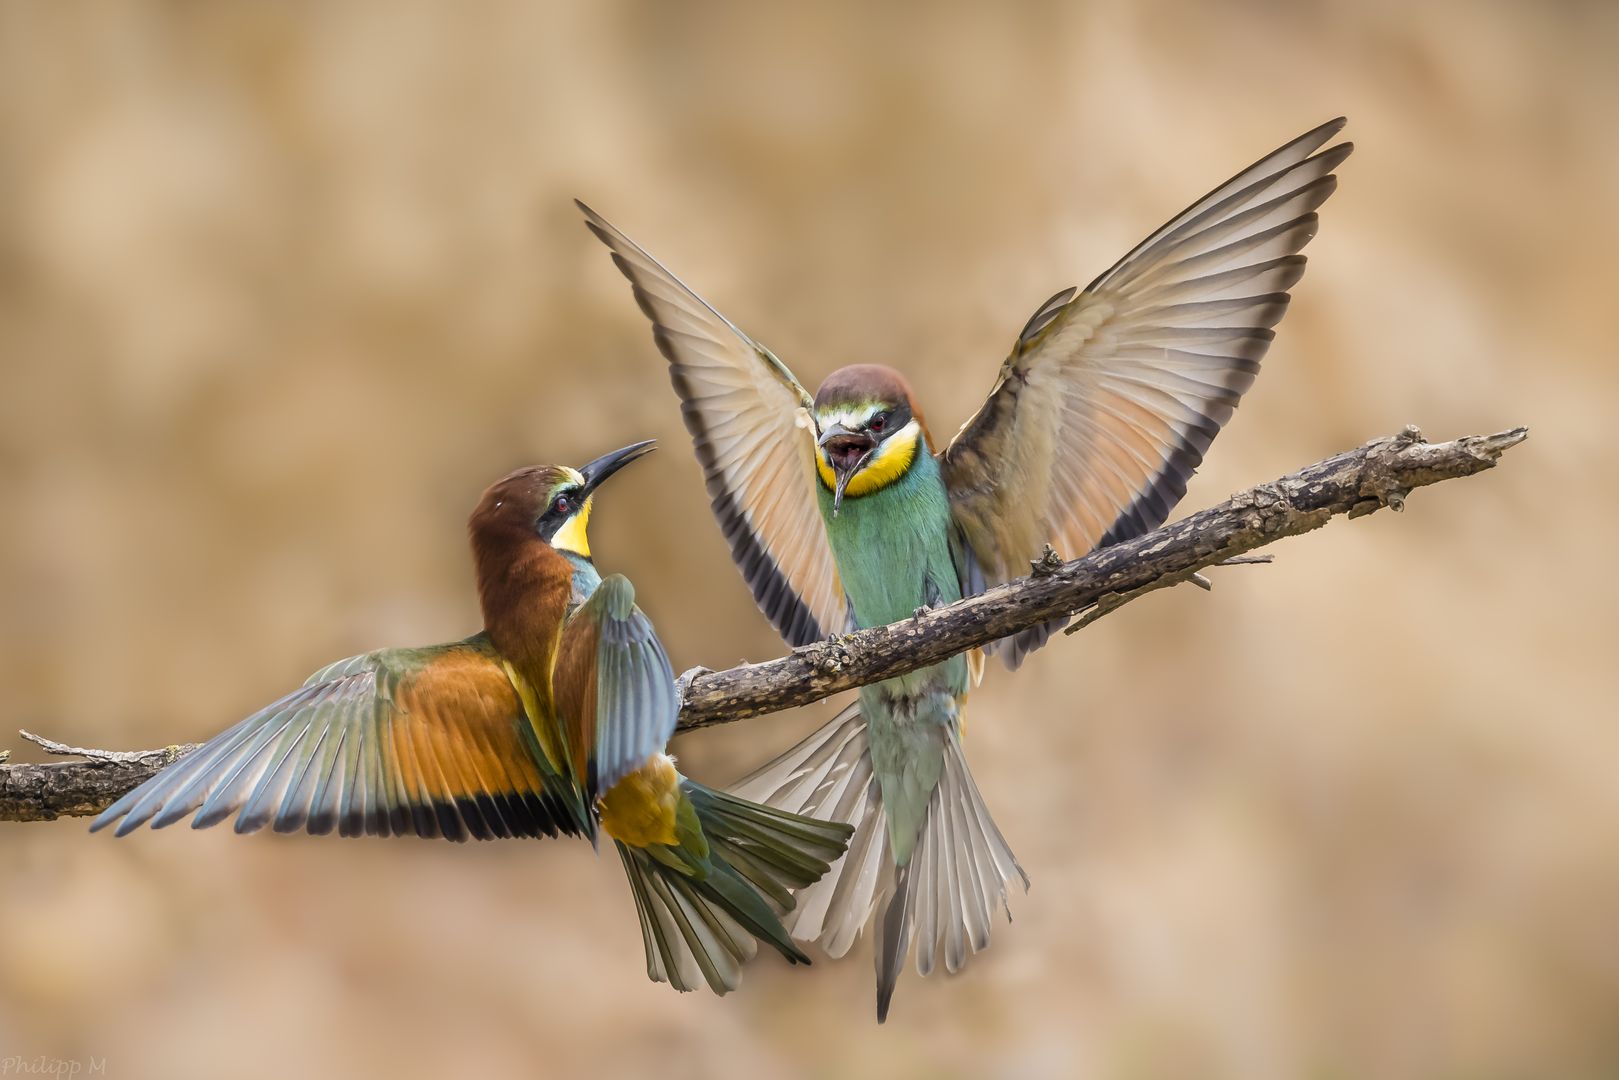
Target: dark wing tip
[1047,312]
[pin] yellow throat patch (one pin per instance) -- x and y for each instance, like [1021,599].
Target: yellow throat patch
[891,461]
[571,537]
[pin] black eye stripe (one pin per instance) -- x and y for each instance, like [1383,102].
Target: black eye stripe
[556,508]
[893,419]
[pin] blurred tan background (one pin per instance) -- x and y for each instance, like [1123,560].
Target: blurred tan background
[282,287]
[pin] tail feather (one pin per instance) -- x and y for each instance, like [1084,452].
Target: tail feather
[927,914]
[707,928]
[853,895]
[776,850]
[828,776]
[799,778]
[893,940]
[969,868]
[944,900]
[687,936]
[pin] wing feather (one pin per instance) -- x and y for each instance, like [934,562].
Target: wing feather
[615,687]
[749,421]
[430,742]
[1112,396]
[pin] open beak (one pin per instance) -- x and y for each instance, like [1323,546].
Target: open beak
[608,464]
[847,452]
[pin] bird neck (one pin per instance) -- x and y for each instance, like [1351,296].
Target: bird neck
[585,577]
[889,463]
[524,588]
[892,547]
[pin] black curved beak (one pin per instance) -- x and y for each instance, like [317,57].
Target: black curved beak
[599,470]
[847,451]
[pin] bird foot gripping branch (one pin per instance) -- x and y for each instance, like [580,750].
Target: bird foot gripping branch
[1047,564]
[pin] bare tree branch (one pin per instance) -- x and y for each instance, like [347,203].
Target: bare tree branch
[77,788]
[1355,483]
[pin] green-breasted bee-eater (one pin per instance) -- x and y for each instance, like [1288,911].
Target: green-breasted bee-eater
[842,512]
[550,721]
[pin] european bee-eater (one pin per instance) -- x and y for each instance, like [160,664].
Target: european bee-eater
[514,731]
[842,511]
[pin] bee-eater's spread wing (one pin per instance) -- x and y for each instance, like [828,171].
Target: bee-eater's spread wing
[750,422]
[1110,398]
[615,690]
[430,742]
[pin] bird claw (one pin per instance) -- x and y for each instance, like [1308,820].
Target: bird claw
[1047,564]
[921,611]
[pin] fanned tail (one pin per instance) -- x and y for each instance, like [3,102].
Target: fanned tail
[828,776]
[776,851]
[943,900]
[707,929]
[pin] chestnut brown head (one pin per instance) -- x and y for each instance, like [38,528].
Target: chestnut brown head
[551,502]
[868,430]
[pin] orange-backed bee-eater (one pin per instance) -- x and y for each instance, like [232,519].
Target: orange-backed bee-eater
[551,720]
[842,511]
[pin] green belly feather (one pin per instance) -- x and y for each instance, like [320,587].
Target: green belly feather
[894,553]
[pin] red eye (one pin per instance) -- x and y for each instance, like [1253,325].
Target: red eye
[562,505]
[878,422]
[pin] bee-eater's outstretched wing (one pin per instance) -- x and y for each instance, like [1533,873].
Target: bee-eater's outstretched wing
[1110,398]
[750,422]
[426,742]
[614,687]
